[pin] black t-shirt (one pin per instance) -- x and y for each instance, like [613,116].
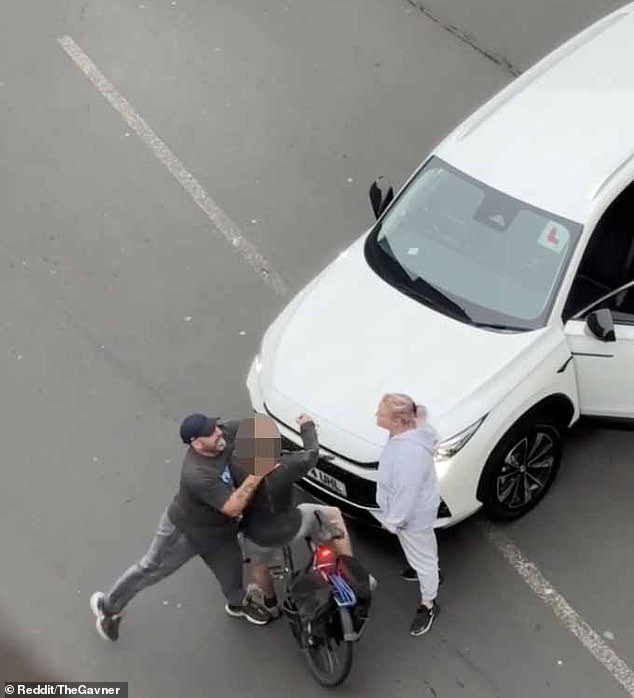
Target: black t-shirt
[205,486]
[270,519]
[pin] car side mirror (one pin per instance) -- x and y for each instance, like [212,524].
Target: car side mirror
[601,324]
[381,194]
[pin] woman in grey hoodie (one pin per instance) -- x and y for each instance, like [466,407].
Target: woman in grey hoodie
[408,495]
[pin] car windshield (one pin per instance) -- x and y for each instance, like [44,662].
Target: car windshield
[471,251]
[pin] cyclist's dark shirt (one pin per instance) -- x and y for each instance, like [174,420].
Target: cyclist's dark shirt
[271,519]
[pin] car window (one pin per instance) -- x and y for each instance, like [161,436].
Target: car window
[498,258]
[621,306]
[608,260]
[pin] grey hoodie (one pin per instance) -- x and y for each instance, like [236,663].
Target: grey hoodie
[407,485]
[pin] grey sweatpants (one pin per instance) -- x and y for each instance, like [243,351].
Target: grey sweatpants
[168,552]
[421,550]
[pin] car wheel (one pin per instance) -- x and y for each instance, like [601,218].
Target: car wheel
[521,468]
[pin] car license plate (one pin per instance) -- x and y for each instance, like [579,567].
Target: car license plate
[328,481]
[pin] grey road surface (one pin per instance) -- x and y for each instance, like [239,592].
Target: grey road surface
[123,309]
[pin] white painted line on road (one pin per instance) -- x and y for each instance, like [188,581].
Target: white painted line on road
[591,640]
[190,184]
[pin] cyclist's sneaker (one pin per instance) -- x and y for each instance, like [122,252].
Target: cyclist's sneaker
[253,612]
[107,623]
[373,582]
[423,619]
[254,593]
[272,606]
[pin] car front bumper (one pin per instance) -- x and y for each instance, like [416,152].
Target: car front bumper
[359,501]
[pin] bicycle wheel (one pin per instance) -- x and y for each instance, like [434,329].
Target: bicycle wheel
[330,658]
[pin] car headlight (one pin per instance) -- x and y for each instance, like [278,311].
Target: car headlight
[449,447]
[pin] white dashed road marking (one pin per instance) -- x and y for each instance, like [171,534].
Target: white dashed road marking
[565,613]
[190,184]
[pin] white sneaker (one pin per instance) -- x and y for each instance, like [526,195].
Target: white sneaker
[107,624]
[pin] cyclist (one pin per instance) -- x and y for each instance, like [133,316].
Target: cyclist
[272,520]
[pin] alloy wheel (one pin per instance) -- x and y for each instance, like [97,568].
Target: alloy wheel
[526,470]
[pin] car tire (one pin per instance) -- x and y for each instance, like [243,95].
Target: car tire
[521,468]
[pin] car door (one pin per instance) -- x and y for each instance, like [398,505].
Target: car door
[605,282]
[605,369]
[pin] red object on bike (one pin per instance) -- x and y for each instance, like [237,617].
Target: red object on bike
[325,555]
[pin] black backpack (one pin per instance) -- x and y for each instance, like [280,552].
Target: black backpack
[312,595]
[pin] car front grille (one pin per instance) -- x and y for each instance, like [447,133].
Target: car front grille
[360,491]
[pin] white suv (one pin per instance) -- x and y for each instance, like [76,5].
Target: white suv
[497,288]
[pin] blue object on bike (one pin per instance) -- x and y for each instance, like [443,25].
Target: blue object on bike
[344,595]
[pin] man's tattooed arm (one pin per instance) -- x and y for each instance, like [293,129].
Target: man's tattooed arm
[237,502]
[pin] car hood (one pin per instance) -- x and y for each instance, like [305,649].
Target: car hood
[352,337]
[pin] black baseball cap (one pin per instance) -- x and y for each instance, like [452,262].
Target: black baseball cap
[197,425]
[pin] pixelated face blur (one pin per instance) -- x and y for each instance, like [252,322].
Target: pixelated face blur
[258,445]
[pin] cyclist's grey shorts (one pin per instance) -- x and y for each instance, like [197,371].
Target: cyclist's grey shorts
[309,527]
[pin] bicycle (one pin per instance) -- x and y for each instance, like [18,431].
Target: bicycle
[327,618]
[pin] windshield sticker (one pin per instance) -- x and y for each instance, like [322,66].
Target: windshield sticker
[554,237]
[412,250]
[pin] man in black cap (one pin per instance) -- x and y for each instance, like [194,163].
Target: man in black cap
[201,520]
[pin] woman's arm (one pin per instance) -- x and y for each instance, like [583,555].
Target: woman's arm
[408,471]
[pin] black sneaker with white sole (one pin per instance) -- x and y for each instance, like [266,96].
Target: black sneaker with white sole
[423,619]
[256,596]
[409,575]
[251,611]
[107,623]
[273,609]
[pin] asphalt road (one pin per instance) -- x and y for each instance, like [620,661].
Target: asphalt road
[123,309]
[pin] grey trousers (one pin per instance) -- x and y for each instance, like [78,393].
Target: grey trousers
[421,550]
[168,552]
